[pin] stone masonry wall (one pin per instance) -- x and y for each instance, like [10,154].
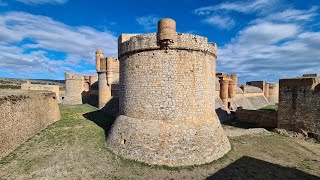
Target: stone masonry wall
[42,87]
[167,102]
[265,119]
[273,93]
[23,114]
[299,105]
[75,87]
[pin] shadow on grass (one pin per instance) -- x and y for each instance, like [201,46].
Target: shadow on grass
[241,125]
[251,168]
[102,119]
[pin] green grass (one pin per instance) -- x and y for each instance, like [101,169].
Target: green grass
[75,147]
[270,108]
[9,86]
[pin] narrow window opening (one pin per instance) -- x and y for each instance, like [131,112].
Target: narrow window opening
[124,141]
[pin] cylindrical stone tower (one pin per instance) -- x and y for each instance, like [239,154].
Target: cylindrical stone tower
[232,85]
[167,102]
[224,86]
[104,92]
[74,88]
[232,88]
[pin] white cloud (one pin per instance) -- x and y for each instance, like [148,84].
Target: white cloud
[266,33]
[148,22]
[220,21]
[43,35]
[249,6]
[221,15]
[270,50]
[290,15]
[275,42]
[38,2]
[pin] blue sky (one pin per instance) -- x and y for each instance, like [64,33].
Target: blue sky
[257,39]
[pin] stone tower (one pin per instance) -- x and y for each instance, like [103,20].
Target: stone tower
[167,101]
[75,86]
[101,67]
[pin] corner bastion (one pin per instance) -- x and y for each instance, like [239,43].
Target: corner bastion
[167,99]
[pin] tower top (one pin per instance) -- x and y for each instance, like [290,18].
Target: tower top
[99,51]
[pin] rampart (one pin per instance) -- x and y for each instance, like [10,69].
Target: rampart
[23,114]
[259,118]
[299,105]
[42,87]
[250,97]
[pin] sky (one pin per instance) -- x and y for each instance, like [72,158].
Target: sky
[257,39]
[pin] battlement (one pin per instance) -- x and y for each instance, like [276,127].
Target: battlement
[301,82]
[148,42]
[73,76]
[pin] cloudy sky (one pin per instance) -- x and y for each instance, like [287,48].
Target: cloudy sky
[257,39]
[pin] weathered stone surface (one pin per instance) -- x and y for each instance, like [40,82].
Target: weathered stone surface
[273,97]
[299,105]
[266,119]
[167,102]
[77,88]
[42,87]
[23,114]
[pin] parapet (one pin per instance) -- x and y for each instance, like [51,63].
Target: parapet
[299,82]
[73,76]
[250,89]
[24,114]
[148,42]
[272,85]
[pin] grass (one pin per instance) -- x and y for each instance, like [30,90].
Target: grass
[270,108]
[75,148]
[9,86]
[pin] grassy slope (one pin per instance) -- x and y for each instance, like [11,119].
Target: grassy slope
[270,108]
[75,148]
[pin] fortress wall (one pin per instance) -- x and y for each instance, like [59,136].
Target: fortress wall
[250,97]
[23,114]
[299,105]
[42,87]
[167,101]
[251,101]
[266,119]
[112,70]
[273,97]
